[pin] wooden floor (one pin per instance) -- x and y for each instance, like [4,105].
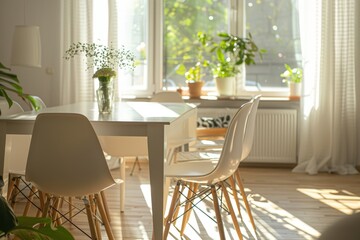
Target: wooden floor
[285,205]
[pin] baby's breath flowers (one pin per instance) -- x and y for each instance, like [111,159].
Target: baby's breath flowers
[104,72]
[105,59]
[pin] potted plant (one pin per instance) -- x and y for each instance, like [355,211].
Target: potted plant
[293,76]
[195,74]
[28,228]
[231,53]
[9,83]
[194,77]
[105,60]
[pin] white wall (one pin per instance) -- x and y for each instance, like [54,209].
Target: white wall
[42,81]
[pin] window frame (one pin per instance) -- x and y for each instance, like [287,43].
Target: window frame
[156,47]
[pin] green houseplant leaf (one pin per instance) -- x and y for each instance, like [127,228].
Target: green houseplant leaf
[9,82]
[29,228]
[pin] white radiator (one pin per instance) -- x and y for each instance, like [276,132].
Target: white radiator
[275,136]
[275,139]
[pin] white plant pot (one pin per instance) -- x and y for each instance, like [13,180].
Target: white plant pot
[294,89]
[226,86]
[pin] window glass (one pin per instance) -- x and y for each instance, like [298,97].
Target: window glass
[183,19]
[274,26]
[133,34]
[128,27]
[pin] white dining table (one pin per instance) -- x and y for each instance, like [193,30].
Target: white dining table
[159,122]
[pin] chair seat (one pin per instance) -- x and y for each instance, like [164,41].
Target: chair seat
[207,144]
[191,171]
[197,156]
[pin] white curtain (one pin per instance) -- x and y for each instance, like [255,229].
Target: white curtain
[77,84]
[76,25]
[328,106]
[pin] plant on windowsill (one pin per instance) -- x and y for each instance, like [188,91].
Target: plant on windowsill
[231,53]
[105,60]
[28,228]
[293,76]
[9,83]
[194,75]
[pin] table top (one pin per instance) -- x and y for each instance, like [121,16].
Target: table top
[138,112]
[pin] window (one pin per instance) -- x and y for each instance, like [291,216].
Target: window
[163,34]
[129,26]
[272,23]
[275,27]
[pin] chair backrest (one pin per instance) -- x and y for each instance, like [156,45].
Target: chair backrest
[232,151]
[250,128]
[65,156]
[174,97]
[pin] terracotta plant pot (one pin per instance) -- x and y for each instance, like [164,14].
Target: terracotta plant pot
[195,89]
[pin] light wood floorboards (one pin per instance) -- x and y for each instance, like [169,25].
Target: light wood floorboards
[285,205]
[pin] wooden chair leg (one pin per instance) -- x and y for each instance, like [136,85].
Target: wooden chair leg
[193,187]
[217,212]
[28,203]
[11,186]
[176,212]
[93,208]
[234,191]
[233,217]
[56,207]
[104,217]
[169,218]
[46,206]
[90,218]
[14,192]
[243,194]
[106,207]
[70,208]
[42,200]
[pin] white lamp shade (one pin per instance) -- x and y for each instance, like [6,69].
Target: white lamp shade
[26,49]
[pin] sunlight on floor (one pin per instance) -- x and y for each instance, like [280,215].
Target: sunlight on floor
[342,200]
[279,215]
[199,224]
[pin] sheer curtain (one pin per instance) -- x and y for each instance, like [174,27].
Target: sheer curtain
[328,106]
[77,84]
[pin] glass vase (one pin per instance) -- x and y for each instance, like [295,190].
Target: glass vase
[105,94]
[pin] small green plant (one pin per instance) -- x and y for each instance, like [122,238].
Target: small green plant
[9,82]
[194,73]
[29,228]
[102,57]
[230,52]
[292,74]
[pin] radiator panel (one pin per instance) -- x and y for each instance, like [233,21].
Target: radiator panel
[275,139]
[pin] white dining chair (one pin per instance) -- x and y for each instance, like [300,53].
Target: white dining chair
[206,150]
[208,175]
[66,160]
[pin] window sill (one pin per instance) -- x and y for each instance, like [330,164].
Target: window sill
[233,102]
